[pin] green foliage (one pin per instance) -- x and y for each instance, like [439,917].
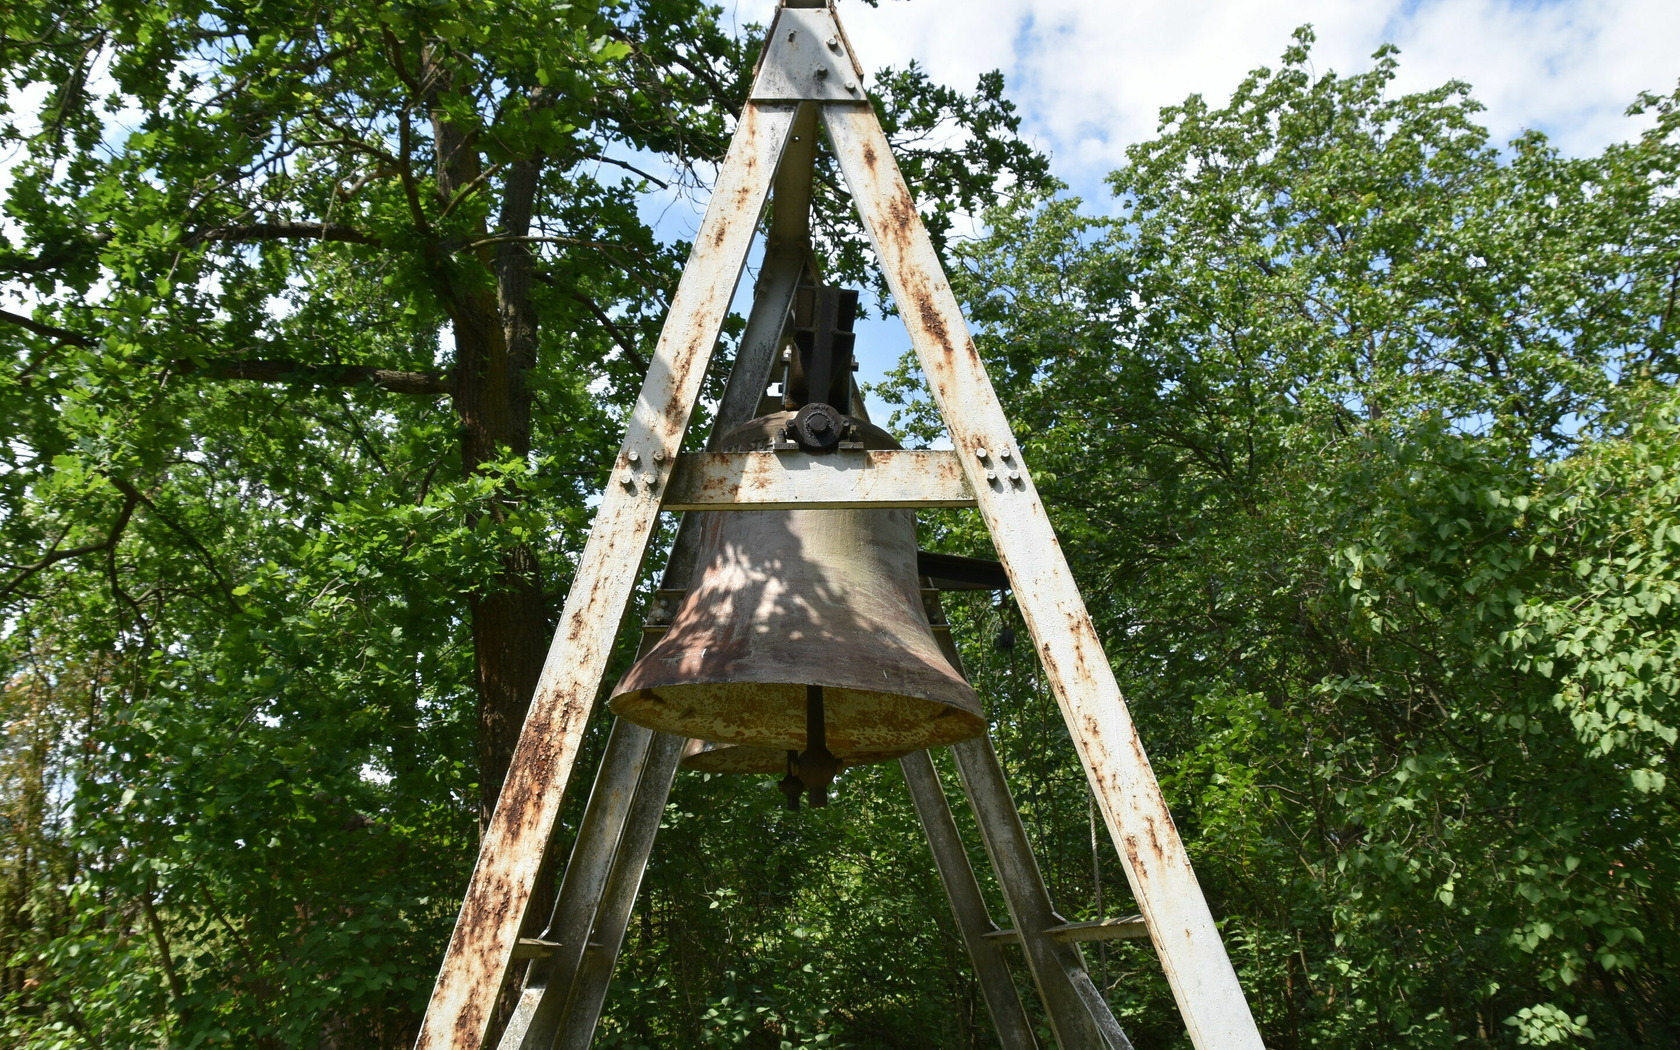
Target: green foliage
[330,320]
[1360,433]
[763,928]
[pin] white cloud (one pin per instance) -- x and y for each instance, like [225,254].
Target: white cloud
[1091,78]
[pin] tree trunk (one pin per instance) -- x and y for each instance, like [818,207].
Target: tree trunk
[495,345]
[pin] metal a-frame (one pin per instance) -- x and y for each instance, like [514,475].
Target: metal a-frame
[808,75]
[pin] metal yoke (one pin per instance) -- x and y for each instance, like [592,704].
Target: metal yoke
[804,70]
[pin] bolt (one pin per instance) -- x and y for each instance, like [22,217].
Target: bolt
[851,85]
[821,72]
[991,475]
[834,43]
[628,478]
[1014,475]
[981,453]
[659,457]
[1006,452]
[632,455]
[648,480]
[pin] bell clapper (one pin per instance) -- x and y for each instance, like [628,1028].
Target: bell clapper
[817,764]
[791,785]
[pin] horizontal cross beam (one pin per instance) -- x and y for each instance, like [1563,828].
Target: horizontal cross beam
[1127,929]
[798,480]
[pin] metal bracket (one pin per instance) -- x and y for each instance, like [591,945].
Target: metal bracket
[808,60]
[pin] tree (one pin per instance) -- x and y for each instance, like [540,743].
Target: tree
[328,320]
[1359,432]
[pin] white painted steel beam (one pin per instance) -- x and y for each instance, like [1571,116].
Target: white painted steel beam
[799,480]
[968,906]
[560,950]
[476,962]
[569,999]
[1199,972]
[567,1009]
[1078,1014]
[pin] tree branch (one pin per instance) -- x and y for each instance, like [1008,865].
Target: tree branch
[54,557]
[54,256]
[63,335]
[280,370]
[626,346]
[272,370]
[209,561]
[275,231]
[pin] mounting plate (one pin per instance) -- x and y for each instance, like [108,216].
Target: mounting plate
[807,59]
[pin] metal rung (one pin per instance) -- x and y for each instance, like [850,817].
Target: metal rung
[537,948]
[1131,928]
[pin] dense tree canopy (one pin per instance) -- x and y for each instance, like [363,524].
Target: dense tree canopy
[1361,432]
[322,322]
[1359,429]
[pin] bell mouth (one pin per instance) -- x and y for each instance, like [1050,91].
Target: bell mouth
[711,757]
[772,715]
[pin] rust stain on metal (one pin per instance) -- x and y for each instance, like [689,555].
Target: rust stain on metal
[486,931]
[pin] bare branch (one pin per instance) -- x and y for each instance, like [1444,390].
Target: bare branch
[615,162]
[533,238]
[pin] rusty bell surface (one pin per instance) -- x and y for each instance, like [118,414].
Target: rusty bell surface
[785,599]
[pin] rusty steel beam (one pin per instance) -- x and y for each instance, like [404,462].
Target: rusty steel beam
[1197,968]
[597,842]
[787,253]
[589,991]
[1127,929]
[800,480]
[1078,1013]
[565,1010]
[476,963]
[968,907]
[553,1000]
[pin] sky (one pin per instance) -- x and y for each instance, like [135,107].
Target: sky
[1090,77]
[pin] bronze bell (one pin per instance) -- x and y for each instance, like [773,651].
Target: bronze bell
[800,618]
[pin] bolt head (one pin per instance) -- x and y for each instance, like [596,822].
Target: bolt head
[632,455]
[981,453]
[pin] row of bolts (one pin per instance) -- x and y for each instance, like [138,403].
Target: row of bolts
[659,457]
